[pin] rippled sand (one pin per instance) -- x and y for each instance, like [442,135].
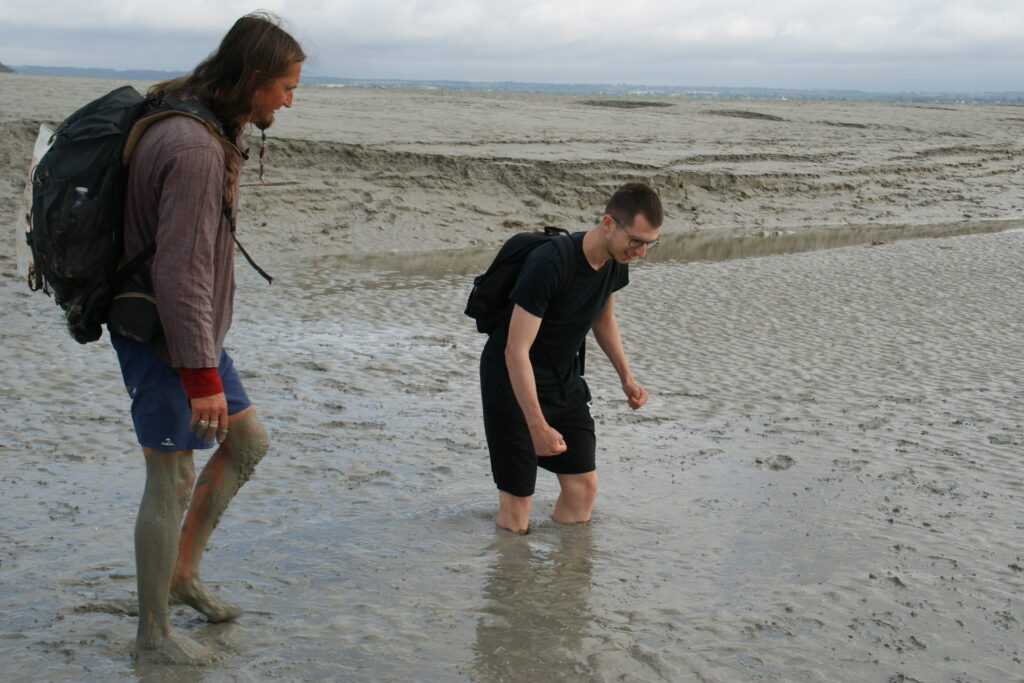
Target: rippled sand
[825,485]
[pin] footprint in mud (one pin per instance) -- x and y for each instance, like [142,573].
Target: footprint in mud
[126,606]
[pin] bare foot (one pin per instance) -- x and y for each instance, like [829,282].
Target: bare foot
[174,648]
[194,593]
[517,532]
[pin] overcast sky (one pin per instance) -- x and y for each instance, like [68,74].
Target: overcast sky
[872,45]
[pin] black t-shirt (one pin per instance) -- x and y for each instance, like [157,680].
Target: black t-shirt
[566,320]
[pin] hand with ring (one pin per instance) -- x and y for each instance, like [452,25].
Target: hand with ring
[202,428]
[210,418]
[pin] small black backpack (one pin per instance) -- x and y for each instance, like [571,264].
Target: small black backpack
[488,302]
[78,192]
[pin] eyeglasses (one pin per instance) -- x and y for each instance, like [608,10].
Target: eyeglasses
[636,242]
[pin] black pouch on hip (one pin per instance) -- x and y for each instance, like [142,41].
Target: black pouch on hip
[133,314]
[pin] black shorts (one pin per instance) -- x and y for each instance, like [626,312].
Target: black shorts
[513,460]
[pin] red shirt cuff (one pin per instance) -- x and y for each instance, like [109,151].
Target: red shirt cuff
[200,382]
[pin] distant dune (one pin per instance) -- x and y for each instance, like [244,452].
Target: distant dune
[5,70]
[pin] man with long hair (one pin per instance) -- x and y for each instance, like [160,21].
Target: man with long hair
[185,391]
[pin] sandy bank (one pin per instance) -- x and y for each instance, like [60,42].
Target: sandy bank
[363,171]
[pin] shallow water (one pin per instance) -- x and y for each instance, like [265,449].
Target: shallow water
[825,485]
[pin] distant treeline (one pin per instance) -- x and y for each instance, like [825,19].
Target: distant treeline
[1013,97]
[128,74]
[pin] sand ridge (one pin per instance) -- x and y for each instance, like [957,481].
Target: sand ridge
[376,170]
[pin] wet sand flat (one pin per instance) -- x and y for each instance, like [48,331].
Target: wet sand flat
[825,485]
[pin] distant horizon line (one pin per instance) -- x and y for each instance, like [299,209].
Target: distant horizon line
[632,89]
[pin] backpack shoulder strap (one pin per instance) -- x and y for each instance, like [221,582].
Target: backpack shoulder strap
[163,106]
[566,249]
[167,105]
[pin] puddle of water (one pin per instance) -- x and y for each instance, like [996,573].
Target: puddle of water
[704,245]
[727,246]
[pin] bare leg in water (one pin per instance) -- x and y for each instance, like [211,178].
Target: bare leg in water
[169,477]
[159,539]
[231,465]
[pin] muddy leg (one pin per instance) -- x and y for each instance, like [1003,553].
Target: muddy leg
[231,465]
[169,477]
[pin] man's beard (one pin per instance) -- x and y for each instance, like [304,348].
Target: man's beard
[264,124]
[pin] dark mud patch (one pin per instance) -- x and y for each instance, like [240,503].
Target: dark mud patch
[879,126]
[741,114]
[625,104]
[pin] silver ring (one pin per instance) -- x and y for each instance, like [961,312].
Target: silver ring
[214,424]
[204,423]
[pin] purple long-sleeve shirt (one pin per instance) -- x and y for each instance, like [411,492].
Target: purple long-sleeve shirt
[174,199]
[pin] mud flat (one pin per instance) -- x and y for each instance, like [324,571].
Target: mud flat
[825,485]
[375,170]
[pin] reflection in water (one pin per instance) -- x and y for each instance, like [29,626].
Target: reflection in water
[536,612]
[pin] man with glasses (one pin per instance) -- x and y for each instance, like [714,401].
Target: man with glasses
[535,401]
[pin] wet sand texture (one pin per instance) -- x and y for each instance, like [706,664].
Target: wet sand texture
[825,485]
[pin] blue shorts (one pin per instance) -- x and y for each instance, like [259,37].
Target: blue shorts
[160,408]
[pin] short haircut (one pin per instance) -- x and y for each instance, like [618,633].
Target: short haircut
[632,199]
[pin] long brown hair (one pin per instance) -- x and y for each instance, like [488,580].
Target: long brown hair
[254,52]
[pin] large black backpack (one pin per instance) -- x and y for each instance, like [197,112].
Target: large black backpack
[78,192]
[488,302]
